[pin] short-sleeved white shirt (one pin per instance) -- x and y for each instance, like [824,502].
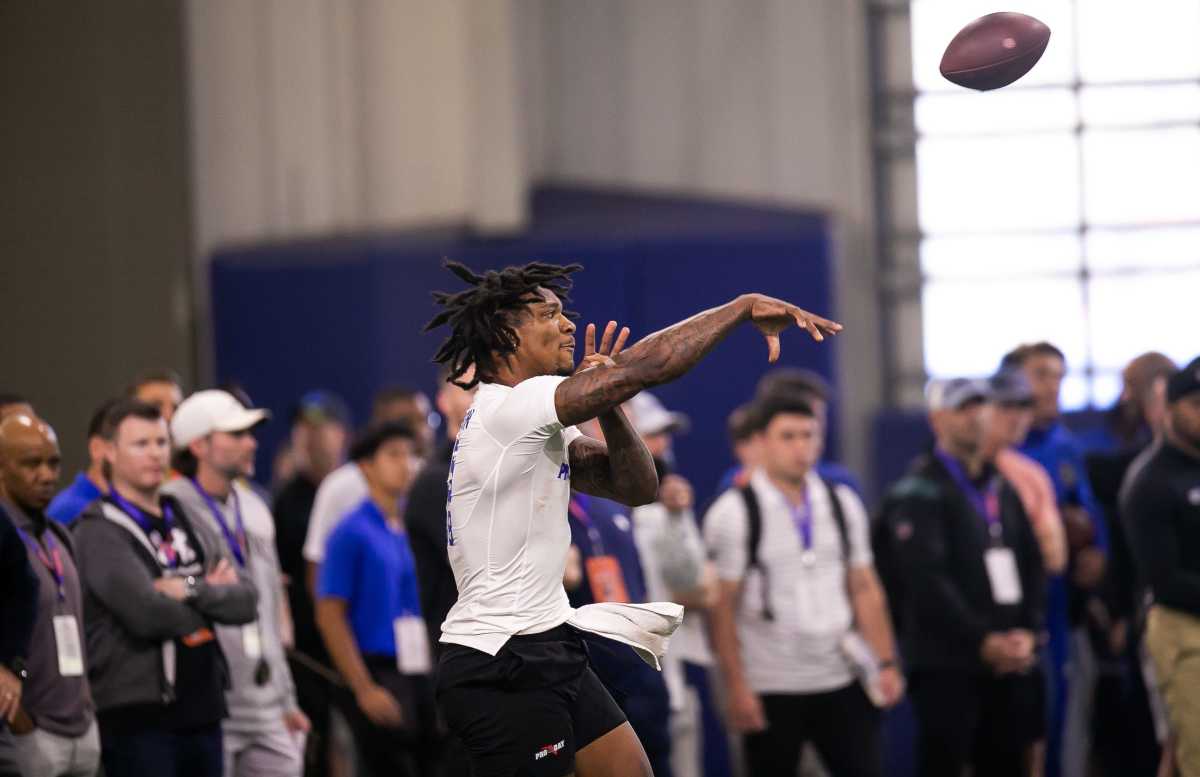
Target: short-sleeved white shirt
[507,530]
[798,651]
[340,492]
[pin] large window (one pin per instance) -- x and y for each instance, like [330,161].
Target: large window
[1065,207]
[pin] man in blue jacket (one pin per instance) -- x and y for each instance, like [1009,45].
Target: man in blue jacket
[1056,448]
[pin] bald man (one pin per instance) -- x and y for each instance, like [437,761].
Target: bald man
[11,404]
[55,726]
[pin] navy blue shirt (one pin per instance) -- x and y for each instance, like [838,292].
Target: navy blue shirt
[371,567]
[69,503]
[1056,449]
[604,528]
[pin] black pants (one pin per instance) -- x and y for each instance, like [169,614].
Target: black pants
[316,697]
[162,753]
[977,719]
[412,750]
[842,725]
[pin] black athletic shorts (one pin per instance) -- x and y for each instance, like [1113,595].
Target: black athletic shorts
[529,708]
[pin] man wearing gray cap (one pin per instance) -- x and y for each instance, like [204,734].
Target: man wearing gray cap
[1160,507]
[213,435]
[967,584]
[1010,421]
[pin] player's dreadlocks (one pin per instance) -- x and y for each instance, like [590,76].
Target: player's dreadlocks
[481,317]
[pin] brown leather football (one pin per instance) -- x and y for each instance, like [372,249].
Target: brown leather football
[994,50]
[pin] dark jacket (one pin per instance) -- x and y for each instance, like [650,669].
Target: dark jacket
[425,519]
[18,594]
[1160,506]
[934,544]
[130,627]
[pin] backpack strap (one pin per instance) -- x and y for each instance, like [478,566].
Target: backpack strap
[839,518]
[754,525]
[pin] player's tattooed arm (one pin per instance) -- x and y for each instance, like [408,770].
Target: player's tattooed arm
[619,467]
[669,353]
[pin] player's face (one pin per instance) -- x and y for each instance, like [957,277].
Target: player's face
[1185,418]
[791,445]
[1045,373]
[547,337]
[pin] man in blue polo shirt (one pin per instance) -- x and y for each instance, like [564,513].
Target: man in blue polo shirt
[88,486]
[602,531]
[1055,447]
[369,612]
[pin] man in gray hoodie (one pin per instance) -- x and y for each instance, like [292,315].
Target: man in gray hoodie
[155,583]
[214,448]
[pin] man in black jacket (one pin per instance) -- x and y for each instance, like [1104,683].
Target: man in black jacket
[425,515]
[968,586]
[154,585]
[1160,507]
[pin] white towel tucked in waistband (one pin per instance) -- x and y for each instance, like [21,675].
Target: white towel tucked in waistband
[644,627]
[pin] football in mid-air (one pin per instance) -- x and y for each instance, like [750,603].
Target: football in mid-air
[994,50]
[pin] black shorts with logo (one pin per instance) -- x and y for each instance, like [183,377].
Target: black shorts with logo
[529,708]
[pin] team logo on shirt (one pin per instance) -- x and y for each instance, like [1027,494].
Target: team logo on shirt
[564,472]
[553,749]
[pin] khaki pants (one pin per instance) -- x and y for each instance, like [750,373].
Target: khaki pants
[1173,641]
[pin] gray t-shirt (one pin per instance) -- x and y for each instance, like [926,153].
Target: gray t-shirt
[252,707]
[798,651]
[57,704]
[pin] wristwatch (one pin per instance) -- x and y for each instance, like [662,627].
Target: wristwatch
[190,580]
[17,667]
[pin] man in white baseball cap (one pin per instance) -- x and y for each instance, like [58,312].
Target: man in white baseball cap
[655,425]
[210,411]
[213,436]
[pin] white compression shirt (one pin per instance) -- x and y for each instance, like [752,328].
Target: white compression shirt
[506,515]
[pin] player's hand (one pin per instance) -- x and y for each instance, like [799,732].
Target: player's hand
[608,350]
[891,686]
[10,694]
[380,707]
[675,493]
[746,711]
[771,316]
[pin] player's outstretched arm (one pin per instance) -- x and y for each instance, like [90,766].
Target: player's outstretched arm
[669,353]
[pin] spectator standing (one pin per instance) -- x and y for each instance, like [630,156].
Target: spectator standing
[53,733]
[155,585]
[801,623]
[969,588]
[214,451]
[1160,507]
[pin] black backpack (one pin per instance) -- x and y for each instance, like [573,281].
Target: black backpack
[754,537]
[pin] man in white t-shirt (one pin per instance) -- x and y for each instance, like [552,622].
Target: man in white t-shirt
[513,680]
[799,599]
